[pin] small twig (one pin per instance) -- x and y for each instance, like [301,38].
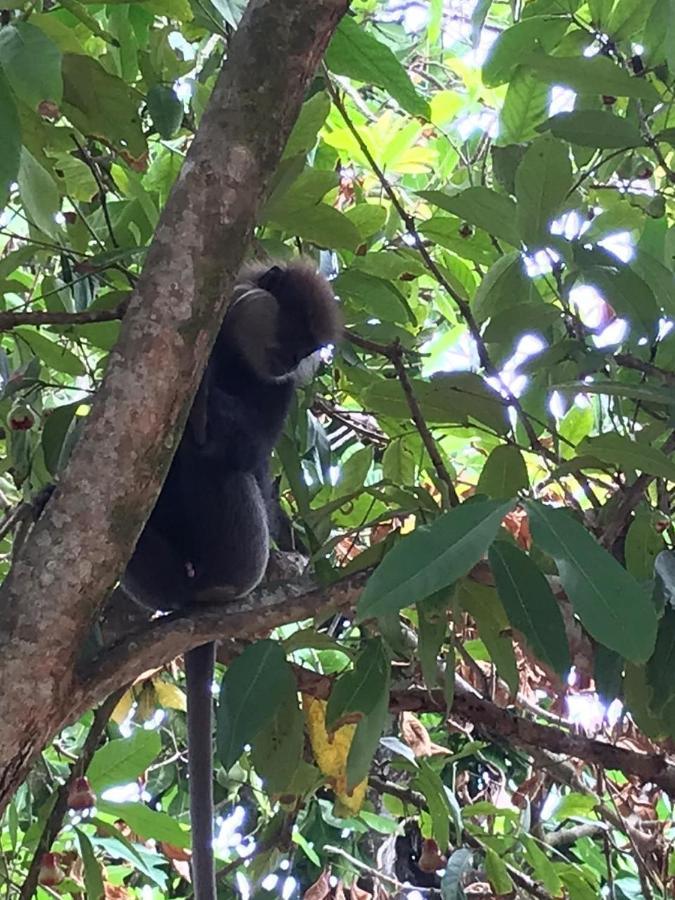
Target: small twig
[60,807]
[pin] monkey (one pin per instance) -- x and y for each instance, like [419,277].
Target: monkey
[207,538]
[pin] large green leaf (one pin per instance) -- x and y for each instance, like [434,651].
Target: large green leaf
[10,140]
[357,691]
[147,823]
[250,693]
[662,664]
[277,747]
[503,286]
[484,605]
[543,179]
[375,296]
[39,194]
[613,607]
[530,604]
[482,207]
[32,63]
[93,879]
[122,761]
[53,355]
[620,450]
[645,392]
[322,224]
[525,106]
[595,128]
[432,557]
[457,397]
[506,53]
[355,52]
[590,75]
[504,474]
[102,105]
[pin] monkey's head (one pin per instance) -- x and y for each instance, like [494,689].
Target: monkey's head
[281,315]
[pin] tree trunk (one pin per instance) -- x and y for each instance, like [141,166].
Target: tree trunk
[82,541]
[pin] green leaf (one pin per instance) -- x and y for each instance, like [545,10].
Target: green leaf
[456,397]
[165,109]
[482,207]
[398,461]
[367,735]
[530,605]
[431,558]
[369,218]
[357,691]
[619,450]
[102,105]
[122,761]
[39,194]
[590,75]
[643,545]
[430,785]
[277,748]
[147,823]
[504,474]
[451,883]
[504,285]
[661,396]
[613,607]
[525,106]
[595,128]
[661,666]
[506,54]
[497,873]
[543,179]
[250,692]
[484,605]
[354,52]
[93,879]
[32,64]
[508,325]
[322,224]
[10,140]
[542,866]
[53,355]
[354,472]
[375,296]
[54,432]
[312,116]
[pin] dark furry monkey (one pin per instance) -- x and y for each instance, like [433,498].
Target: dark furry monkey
[207,538]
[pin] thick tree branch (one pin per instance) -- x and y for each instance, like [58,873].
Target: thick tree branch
[88,529]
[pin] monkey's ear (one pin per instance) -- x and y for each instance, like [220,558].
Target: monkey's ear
[272,279]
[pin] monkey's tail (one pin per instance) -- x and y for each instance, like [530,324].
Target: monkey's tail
[199,669]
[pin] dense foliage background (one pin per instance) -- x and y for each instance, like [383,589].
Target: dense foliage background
[492,190]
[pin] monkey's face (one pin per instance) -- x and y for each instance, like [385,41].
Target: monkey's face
[281,315]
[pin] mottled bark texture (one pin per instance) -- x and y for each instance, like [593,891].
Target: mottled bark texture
[89,527]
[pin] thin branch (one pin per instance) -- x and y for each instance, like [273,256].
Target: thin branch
[423,428]
[647,368]
[11,319]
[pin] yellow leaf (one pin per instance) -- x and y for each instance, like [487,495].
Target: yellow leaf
[169,696]
[123,708]
[330,752]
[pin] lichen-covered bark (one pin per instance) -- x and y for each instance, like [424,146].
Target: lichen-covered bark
[88,529]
